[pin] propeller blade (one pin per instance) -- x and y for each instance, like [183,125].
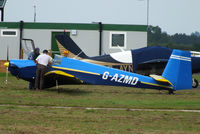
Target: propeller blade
[6,76]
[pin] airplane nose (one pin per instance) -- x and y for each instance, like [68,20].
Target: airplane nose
[6,64]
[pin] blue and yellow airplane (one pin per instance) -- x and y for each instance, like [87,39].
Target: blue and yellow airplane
[177,74]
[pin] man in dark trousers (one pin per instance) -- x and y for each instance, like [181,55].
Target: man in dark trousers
[42,61]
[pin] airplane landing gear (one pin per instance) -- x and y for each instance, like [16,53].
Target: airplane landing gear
[171,92]
[195,83]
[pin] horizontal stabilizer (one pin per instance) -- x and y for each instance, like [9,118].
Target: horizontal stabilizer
[160,79]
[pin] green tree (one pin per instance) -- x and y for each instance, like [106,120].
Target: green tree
[179,40]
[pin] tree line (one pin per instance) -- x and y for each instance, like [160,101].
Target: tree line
[156,37]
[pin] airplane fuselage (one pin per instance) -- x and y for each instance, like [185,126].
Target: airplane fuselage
[101,75]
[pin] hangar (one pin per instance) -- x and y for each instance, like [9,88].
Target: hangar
[93,38]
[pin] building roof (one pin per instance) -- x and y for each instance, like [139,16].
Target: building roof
[76,26]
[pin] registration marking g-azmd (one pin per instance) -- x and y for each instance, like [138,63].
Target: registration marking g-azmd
[120,78]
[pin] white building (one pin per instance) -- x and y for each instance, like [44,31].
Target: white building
[94,38]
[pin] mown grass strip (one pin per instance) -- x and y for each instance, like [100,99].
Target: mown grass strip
[19,120]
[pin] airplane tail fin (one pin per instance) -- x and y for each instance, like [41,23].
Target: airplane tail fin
[178,70]
[70,45]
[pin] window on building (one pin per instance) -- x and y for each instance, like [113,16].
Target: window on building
[9,33]
[117,39]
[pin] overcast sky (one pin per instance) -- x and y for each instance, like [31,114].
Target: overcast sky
[173,16]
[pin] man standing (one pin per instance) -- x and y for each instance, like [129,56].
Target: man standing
[42,61]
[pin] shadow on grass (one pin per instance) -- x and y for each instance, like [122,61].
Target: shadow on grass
[82,91]
[149,93]
[70,91]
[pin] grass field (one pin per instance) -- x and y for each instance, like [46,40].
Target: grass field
[34,119]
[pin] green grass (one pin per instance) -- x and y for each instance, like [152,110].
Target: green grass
[34,120]
[17,93]
[47,120]
[197,76]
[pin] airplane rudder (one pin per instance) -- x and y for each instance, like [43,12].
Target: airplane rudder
[178,70]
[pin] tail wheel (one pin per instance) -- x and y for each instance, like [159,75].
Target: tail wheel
[195,83]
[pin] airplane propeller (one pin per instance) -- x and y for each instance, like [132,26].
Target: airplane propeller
[7,65]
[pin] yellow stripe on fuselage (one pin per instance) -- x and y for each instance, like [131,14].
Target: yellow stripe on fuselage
[152,84]
[75,70]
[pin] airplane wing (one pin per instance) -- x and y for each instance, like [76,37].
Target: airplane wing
[55,77]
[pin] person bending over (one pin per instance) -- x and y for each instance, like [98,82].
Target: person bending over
[42,61]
